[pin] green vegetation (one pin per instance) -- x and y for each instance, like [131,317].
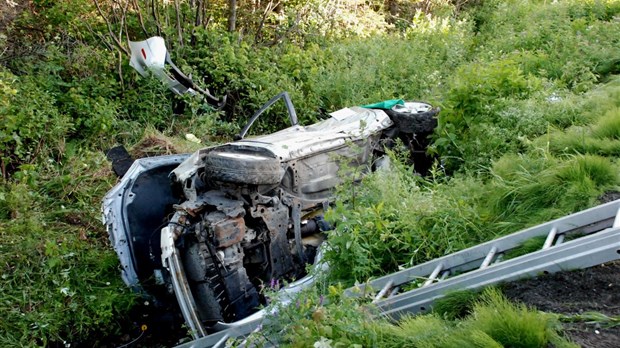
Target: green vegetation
[401,220]
[456,305]
[592,318]
[529,131]
[527,247]
[334,321]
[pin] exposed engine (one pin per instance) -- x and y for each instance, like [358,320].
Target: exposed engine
[237,238]
[250,211]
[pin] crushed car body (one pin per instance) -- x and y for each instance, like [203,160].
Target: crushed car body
[202,234]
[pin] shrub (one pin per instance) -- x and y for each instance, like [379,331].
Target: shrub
[33,128]
[60,281]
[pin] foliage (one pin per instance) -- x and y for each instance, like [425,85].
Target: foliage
[395,220]
[456,304]
[59,279]
[33,127]
[524,50]
[318,314]
[400,220]
[528,131]
[325,78]
[313,320]
[416,64]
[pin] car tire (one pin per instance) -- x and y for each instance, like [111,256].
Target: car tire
[243,168]
[198,272]
[414,122]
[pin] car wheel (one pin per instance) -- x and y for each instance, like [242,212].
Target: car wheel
[200,273]
[414,117]
[243,168]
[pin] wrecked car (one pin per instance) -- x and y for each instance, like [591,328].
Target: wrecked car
[205,232]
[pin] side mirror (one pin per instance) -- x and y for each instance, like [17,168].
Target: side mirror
[152,56]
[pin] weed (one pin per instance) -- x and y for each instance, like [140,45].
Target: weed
[333,320]
[456,305]
[592,318]
[526,247]
[608,126]
[60,281]
[513,325]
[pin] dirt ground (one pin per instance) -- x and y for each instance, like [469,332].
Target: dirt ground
[595,289]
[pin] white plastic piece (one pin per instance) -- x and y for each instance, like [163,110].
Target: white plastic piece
[412,107]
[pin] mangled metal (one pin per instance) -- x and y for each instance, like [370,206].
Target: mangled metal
[204,233]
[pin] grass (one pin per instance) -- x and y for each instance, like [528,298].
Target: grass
[399,221]
[527,247]
[592,318]
[513,325]
[491,321]
[56,265]
[456,304]
[601,138]
[608,126]
[529,132]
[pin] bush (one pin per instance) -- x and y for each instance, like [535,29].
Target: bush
[324,78]
[394,219]
[33,128]
[314,320]
[60,282]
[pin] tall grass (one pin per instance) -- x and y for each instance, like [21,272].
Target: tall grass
[526,140]
[399,220]
[533,188]
[456,304]
[59,279]
[493,322]
[333,321]
[513,325]
[602,137]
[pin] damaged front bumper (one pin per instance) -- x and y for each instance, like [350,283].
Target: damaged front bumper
[133,212]
[131,195]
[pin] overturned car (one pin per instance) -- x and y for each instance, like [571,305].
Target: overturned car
[204,232]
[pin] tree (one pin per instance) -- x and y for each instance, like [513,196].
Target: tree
[232,15]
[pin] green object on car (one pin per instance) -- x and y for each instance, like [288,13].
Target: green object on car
[386,104]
